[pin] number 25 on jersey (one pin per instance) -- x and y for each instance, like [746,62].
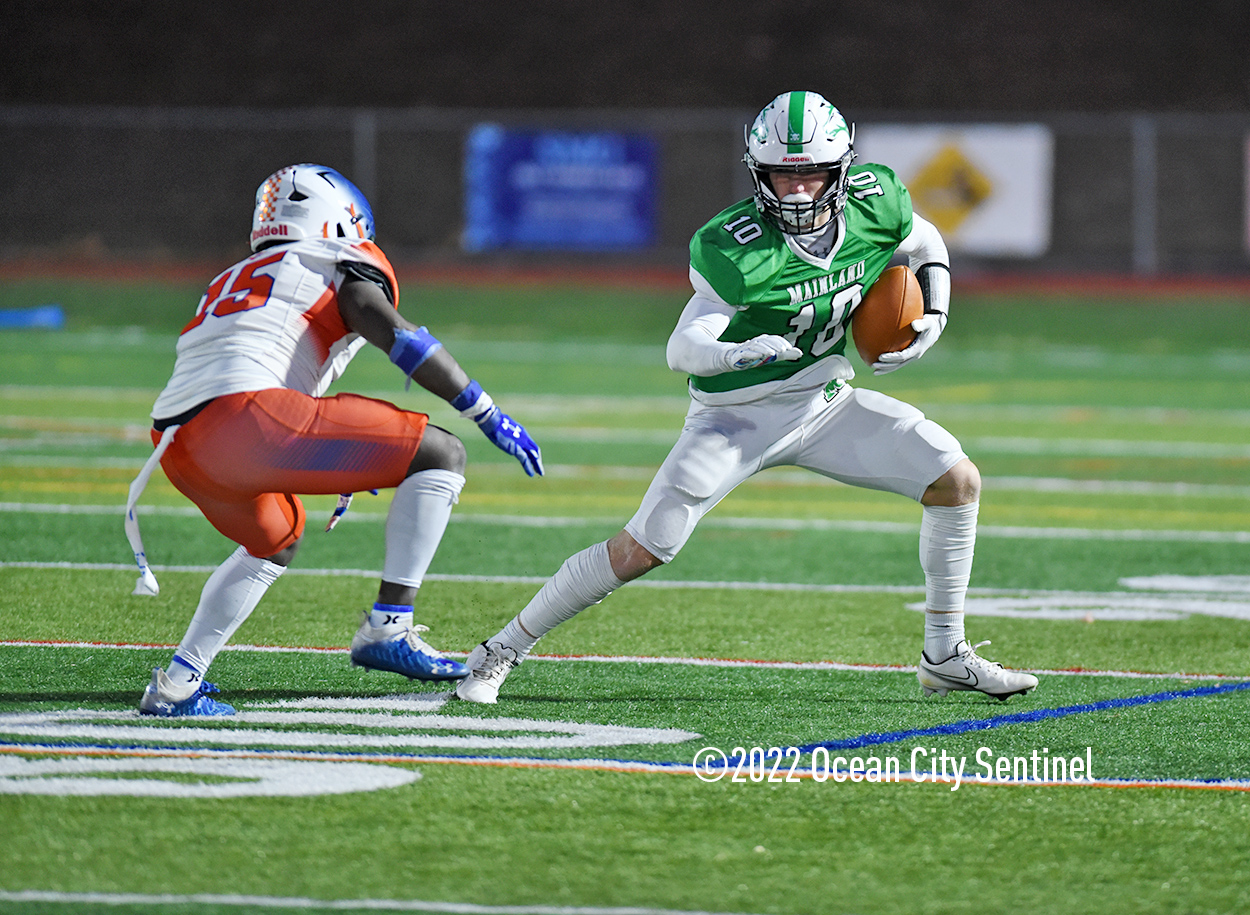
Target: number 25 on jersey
[240,288]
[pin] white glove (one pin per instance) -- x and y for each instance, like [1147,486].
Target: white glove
[759,351]
[935,285]
[928,328]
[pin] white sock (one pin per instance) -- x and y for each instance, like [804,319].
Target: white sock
[585,579]
[185,679]
[229,597]
[948,537]
[416,522]
[516,638]
[390,615]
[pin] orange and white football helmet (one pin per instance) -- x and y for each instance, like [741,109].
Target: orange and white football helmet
[309,201]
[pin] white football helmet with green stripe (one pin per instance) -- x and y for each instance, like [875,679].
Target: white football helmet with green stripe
[799,132]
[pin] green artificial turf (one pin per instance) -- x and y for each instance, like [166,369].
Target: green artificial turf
[1112,438]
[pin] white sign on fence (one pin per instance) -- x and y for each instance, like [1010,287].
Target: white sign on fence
[987,187]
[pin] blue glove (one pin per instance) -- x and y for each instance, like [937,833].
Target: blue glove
[507,434]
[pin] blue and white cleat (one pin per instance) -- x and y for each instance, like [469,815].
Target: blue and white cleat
[162,699]
[399,649]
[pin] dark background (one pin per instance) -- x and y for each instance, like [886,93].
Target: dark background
[921,55]
[138,130]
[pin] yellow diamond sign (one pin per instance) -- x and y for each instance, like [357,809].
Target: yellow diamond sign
[949,187]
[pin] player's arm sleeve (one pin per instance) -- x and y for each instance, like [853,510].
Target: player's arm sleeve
[924,245]
[929,260]
[694,346]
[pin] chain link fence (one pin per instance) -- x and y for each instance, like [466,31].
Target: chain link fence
[1142,194]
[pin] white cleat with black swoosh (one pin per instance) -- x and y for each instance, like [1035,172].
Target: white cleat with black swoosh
[488,663]
[967,670]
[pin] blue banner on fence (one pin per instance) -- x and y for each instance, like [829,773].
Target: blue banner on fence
[555,190]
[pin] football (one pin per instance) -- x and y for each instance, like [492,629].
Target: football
[882,321]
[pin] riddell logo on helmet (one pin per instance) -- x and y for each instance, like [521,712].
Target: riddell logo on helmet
[786,159]
[266,231]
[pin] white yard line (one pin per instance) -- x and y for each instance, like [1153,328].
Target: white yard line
[91,433]
[677,661]
[163,901]
[1104,447]
[1009,532]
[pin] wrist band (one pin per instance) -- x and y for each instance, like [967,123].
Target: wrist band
[412,348]
[468,397]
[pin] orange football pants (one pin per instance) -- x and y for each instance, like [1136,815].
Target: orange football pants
[243,457]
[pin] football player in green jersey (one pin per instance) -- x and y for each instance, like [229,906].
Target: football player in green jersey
[776,278]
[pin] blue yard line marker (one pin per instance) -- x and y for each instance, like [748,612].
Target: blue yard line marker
[1041,714]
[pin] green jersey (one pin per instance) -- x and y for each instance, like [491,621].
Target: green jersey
[778,288]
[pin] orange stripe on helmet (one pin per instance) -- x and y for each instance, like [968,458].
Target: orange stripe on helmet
[360,230]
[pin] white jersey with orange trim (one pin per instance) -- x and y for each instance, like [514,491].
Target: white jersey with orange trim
[270,321]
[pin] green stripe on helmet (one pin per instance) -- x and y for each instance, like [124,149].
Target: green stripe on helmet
[794,132]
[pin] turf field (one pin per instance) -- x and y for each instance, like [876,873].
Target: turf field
[1114,560]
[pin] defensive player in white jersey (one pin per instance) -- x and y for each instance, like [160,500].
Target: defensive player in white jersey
[242,426]
[776,278]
